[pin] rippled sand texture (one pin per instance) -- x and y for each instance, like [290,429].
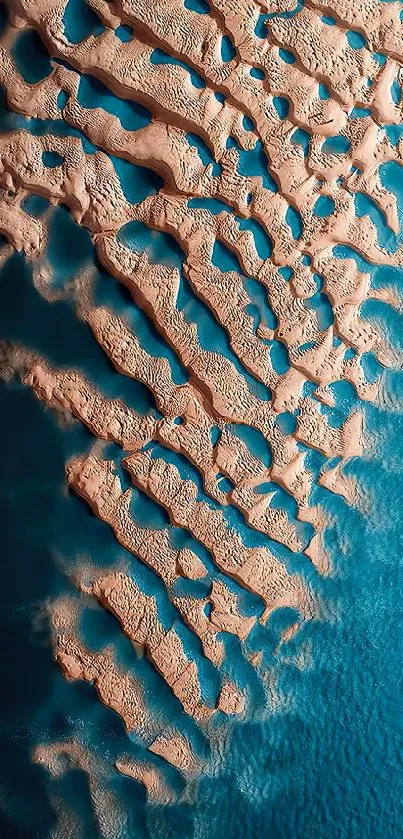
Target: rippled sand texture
[274,132]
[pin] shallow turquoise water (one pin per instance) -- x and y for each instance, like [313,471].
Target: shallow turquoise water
[328,762]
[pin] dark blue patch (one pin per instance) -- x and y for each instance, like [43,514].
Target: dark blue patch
[355,40]
[80,21]
[52,159]
[324,206]
[199,6]
[228,51]
[282,106]
[124,33]
[294,220]
[257,73]
[287,56]
[31,57]
[338,144]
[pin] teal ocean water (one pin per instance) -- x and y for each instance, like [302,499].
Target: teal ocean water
[327,761]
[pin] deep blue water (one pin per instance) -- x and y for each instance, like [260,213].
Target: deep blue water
[327,762]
